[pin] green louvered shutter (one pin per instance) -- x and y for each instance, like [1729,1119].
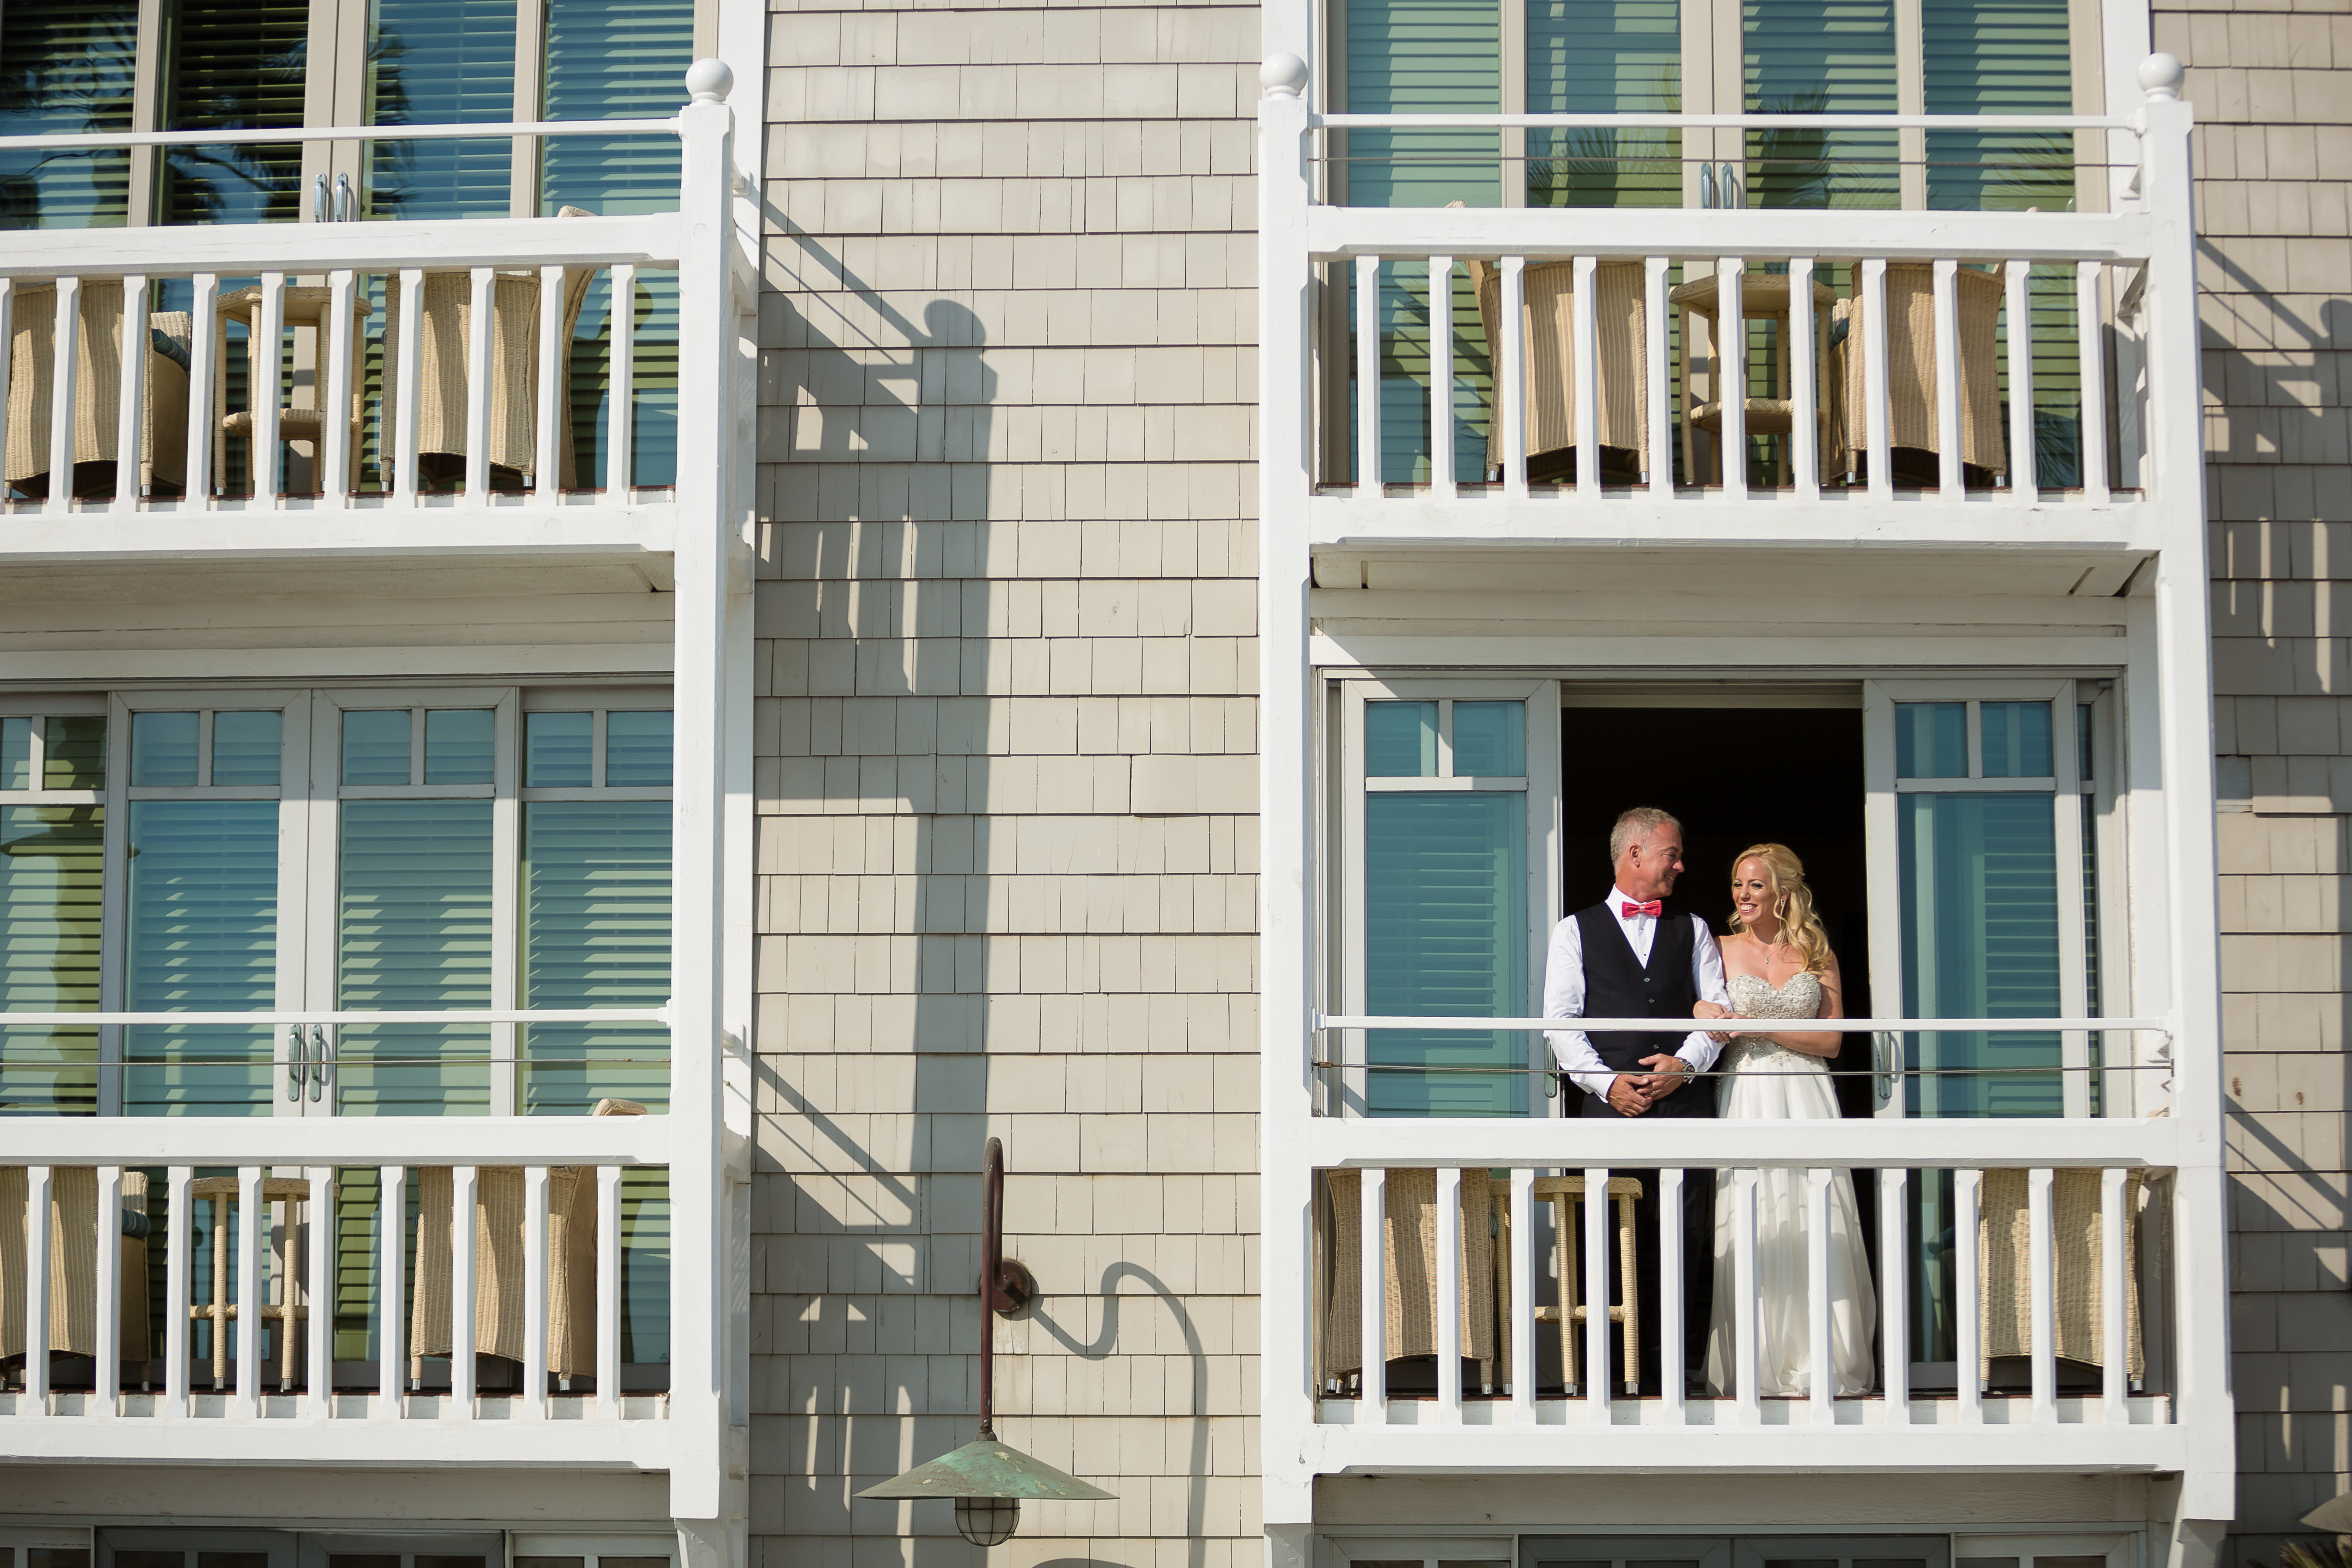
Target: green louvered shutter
[65,66]
[595,933]
[440,62]
[49,861]
[234,68]
[1604,57]
[414,934]
[1820,56]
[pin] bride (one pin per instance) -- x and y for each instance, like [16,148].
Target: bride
[1778,965]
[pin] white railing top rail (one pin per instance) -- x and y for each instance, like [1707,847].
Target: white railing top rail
[1752,1026]
[106,138]
[338,1141]
[1499,1143]
[238,249]
[1465,121]
[347,1015]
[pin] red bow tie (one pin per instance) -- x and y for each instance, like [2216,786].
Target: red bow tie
[1630,908]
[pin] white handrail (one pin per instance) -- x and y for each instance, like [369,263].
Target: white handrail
[1758,1025]
[103,139]
[1721,122]
[454,1015]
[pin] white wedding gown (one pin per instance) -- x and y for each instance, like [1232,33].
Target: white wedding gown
[1768,1081]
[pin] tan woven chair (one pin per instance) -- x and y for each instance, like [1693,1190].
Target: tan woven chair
[98,393]
[1548,326]
[1565,1193]
[448,305]
[1911,376]
[73,1264]
[1410,1201]
[2004,1278]
[286,1194]
[499,1279]
[1763,296]
[302,305]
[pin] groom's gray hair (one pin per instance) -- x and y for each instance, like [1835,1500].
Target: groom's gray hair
[1638,823]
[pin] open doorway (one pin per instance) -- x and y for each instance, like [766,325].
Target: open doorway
[1735,776]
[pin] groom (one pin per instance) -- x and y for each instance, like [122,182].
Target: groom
[1630,957]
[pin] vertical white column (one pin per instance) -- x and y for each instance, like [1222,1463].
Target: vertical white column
[1661,456]
[335,402]
[1511,395]
[1748,1410]
[1948,408]
[608,1292]
[1584,365]
[620,417]
[1440,377]
[1804,391]
[1373,1410]
[547,473]
[534,1405]
[2024,476]
[481,373]
[106,1381]
[1522,1308]
[178,1259]
[407,356]
[7,335]
[1449,1295]
[130,404]
[266,353]
[2114,1349]
[38,1178]
[252,1220]
[320,1252]
[203,374]
[1894,1297]
[65,372]
[2041,1276]
[1822,1368]
[2093,366]
[1368,378]
[1872,329]
[1967,1358]
[463,1224]
[1600,1235]
[1731,373]
[1672,1267]
[391,1285]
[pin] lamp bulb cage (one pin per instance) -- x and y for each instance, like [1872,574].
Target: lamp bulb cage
[987,1521]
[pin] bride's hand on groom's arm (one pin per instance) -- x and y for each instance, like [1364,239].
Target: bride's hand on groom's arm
[1704,1010]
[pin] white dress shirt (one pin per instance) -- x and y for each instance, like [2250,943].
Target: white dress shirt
[1564,993]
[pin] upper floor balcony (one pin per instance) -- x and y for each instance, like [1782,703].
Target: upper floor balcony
[395,373]
[1988,340]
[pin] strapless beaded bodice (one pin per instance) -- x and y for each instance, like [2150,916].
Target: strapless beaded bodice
[1754,996]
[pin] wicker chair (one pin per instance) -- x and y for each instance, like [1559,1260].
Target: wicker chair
[73,1264]
[1911,376]
[1620,316]
[301,304]
[2004,1278]
[98,390]
[1410,1323]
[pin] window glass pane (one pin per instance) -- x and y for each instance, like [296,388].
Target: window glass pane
[596,923]
[49,863]
[1931,740]
[644,1267]
[163,748]
[613,62]
[414,934]
[375,746]
[557,749]
[55,1557]
[74,751]
[1490,739]
[248,747]
[15,753]
[234,65]
[458,745]
[1604,57]
[202,937]
[1999,57]
[1400,739]
[1805,56]
[1424,56]
[637,750]
[2017,740]
[69,68]
[1445,901]
[440,62]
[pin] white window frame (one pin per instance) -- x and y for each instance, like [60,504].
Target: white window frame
[1344,1093]
[1428,1550]
[591,1548]
[2121,1550]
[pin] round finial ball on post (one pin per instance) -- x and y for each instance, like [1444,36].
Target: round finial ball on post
[1283,75]
[2160,75]
[710,81]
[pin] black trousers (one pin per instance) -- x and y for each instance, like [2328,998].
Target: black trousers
[1697,1221]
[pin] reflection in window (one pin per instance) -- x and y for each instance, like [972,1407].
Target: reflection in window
[201,937]
[415,934]
[2017,740]
[1931,740]
[65,67]
[240,67]
[49,865]
[1821,56]
[596,933]
[440,62]
[1400,739]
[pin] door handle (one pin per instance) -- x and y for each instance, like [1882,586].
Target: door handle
[1885,1066]
[322,1059]
[295,1065]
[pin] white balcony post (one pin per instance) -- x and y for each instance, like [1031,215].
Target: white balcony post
[252,1220]
[480,376]
[64,371]
[338,343]
[204,363]
[547,474]
[1441,378]
[2184,663]
[391,1286]
[608,1292]
[1968,1354]
[131,403]
[1657,384]
[1894,1297]
[1672,1270]
[1948,408]
[463,1224]
[408,402]
[1599,1238]
[1731,375]
[2115,1355]
[37,1179]
[2040,1280]
[266,354]
[1877,411]
[1448,1264]
[1511,386]
[534,1405]
[1373,1376]
[621,395]
[318,1330]
[1368,378]
[1745,1322]
[2092,364]
[106,1381]
[1586,368]
[2024,476]
[1522,1306]
[698,1195]
[1804,388]
[178,1262]
[1285,1098]
[1819,1309]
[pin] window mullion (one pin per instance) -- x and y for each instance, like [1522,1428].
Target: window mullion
[146,112]
[1911,98]
[114,896]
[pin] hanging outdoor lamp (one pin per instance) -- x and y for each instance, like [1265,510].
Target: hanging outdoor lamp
[986,1477]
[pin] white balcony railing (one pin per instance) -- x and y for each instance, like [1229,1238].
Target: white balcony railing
[251,1217]
[1963,276]
[356,322]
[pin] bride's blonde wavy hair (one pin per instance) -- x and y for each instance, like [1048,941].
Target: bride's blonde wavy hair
[1792,901]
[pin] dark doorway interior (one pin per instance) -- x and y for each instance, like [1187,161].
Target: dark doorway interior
[1735,776]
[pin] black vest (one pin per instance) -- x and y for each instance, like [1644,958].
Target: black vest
[1616,985]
